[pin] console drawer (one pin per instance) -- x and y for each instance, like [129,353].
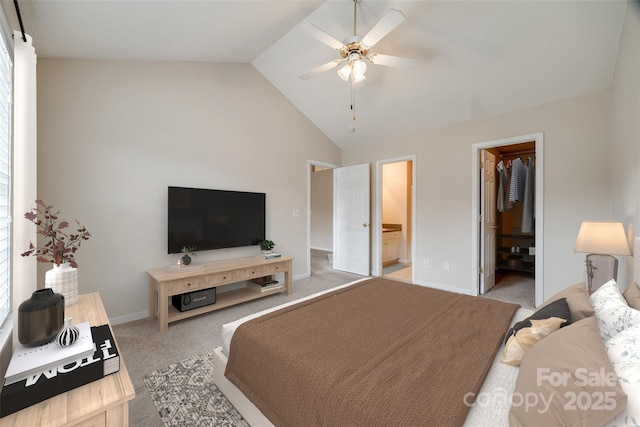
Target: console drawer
[217,278]
[251,272]
[184,285]
[275,268]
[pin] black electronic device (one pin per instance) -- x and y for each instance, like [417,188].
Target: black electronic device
[191,300]
[214,219]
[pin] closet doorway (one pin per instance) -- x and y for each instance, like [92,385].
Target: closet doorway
[509,219]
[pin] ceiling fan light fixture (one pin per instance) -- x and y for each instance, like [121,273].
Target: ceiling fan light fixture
[354,69]
[359,67]
[345,72]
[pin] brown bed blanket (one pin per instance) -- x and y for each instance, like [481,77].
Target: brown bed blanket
[379,352]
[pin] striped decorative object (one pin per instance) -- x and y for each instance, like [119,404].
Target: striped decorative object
[68,334]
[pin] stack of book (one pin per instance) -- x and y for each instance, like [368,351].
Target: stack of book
[47,374]
[272,255]
[267,286]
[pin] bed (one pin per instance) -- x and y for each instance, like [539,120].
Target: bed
[601,376]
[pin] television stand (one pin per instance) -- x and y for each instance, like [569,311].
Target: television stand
[164,283]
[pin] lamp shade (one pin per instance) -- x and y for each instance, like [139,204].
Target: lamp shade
[602,237]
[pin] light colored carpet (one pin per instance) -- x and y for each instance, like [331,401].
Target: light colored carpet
[515,288]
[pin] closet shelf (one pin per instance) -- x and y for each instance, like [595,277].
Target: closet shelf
[526,267]
[503,251]
[517,236]
[524,251]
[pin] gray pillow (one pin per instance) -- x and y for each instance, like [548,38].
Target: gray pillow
[564,368]
[632,296]
[578,299]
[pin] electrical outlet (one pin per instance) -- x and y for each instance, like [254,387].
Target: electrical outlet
[296,212]
[426,263]
[446,265]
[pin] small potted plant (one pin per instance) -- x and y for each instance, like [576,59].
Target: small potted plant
[266,246]
[188,252]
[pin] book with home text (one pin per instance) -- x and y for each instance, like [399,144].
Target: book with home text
[27,361]
[45,384]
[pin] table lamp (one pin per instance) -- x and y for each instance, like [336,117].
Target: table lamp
[601,240]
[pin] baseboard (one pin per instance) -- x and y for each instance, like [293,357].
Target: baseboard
[129,317]
[300,276]
[321,249]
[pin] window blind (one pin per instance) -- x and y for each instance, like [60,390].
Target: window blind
[6,79]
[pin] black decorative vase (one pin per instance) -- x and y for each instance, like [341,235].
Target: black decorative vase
[40,318]
[186,260]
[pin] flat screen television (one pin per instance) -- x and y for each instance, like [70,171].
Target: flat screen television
[214,219]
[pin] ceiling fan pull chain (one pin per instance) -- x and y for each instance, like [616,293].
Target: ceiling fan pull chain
[353,100]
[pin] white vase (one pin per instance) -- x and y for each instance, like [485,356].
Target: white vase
[63,279]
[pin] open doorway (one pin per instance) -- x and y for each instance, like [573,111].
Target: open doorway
[512,217]
[320,217]
[396,211]
[508,222]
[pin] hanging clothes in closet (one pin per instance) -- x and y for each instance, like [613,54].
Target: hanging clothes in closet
[518,180]
[503,188]
[517,184]
[528,211]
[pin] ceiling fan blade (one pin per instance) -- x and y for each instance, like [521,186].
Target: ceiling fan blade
[391,20]
[392,61]
[321,36]
[321,69]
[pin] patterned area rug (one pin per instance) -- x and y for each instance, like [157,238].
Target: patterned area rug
[185,395]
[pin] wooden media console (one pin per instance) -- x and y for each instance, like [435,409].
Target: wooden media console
[164,283]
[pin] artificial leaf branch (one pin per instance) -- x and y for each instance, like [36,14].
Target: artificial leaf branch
[61,245]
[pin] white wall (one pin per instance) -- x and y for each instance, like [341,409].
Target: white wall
[576,183]
[113,135]
[624,145]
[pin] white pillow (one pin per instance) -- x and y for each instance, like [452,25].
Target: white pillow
[612,311]
[624,352]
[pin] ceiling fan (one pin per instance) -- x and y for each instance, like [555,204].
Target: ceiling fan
[355,51]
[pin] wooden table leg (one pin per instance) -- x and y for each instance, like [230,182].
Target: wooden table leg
[153,299]
[288,278]
[163,309]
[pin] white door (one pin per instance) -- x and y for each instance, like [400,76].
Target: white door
[351,219]
[488,222]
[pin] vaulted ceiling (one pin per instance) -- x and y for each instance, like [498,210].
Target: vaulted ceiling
[476,58]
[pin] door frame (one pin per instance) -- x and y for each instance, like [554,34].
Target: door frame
[538,138]
[310,164]
[376,237]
